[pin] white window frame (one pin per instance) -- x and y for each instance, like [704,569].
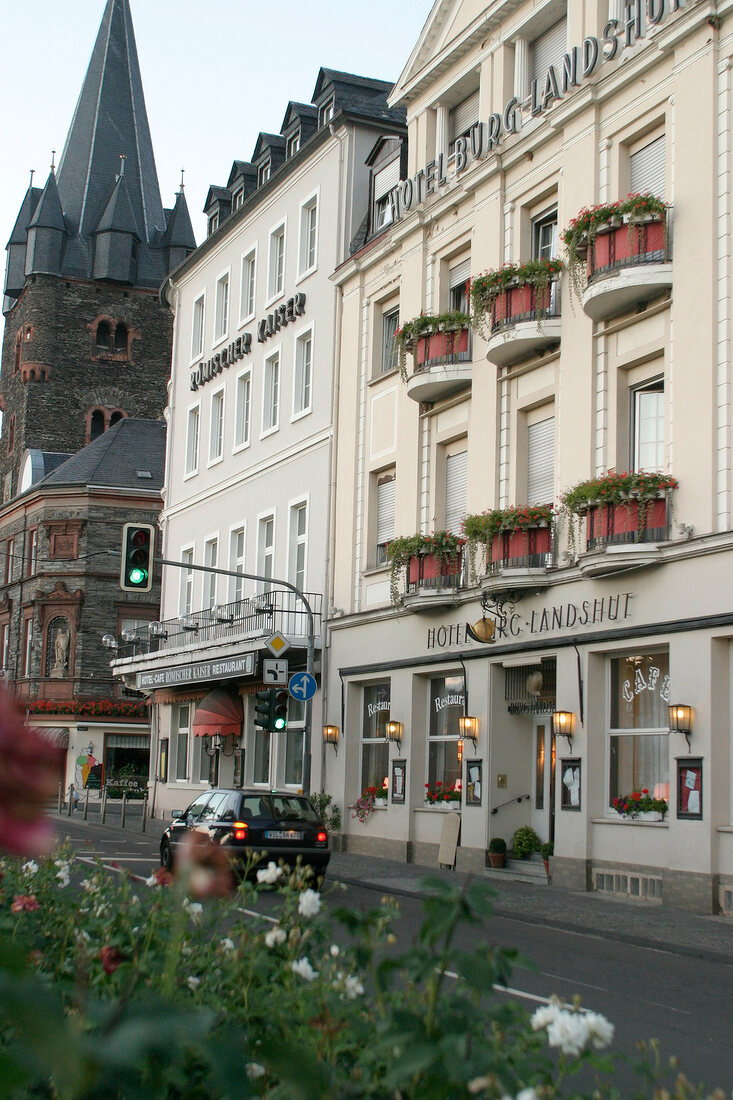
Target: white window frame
[269,391]
[264,172]
[310,205]
[326,111]
[185,588]
[275,271]
[182,731]
[209,584]
[213,224]
[244,442]
[216,426]
[9,559]
[265,550]
[293,144]
[237,584]
[245,314]
[382,519]
[651,385]
[27,645]
[546,219]
[389,364]
[296,540]
[198,351]
[634,731]
[192,448]
[221,319]
[305,335]
[4,646]
[238,199]
[370,744]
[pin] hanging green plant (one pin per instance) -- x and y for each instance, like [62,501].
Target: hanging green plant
[444,546]
[634,210]
[408,334]
[633,487]
[486,288]
[482,528]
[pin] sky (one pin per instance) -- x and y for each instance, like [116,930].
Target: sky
[215,74]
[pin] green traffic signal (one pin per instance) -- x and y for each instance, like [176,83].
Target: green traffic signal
[138,541]
[280,711]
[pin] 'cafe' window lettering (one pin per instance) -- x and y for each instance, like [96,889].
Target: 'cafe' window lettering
[646,683]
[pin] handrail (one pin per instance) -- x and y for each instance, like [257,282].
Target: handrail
[509,801]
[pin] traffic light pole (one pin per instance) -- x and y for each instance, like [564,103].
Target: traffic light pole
[310,650]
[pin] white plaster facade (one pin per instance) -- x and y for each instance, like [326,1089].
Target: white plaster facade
[665,604]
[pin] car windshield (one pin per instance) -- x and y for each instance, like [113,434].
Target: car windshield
[292,808]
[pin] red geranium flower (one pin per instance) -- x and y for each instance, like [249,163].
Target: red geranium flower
[111,959]
[24,903]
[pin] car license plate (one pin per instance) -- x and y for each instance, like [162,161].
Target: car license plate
[283,834]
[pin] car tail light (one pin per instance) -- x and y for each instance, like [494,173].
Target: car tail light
[240,830]
[321,837]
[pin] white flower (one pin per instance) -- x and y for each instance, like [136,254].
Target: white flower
[194,908]
[275,936]
[63,877]
[269,875]
[226,944]
[87,886]
[30,867]
[309,903]
[479,1084]
[544,1016]
[134,900]
[193,982]
[304,969]
[528,1094]
[600,1031]
[568,1031]
[353,987]
[334,950]
[254,1070]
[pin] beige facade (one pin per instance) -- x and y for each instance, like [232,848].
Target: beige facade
[621,612]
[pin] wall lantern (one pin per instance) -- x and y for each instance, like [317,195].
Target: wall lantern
[221,615]
[680,720]
[157,630]
[394,732]
[331,736]
[187,622]
[218,743]
[563,723]
[468,728]
[109,641]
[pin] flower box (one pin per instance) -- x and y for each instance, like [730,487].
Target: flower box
[627,522]
[525,302]
[433,572]
[440,347]
[624,245]
[523,546]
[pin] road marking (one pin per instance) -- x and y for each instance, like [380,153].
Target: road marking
[573,981]
[512,992]
[254,913]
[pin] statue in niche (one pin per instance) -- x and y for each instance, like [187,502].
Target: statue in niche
[61,640]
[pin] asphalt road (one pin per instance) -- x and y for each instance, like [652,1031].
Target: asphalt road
[681,1000]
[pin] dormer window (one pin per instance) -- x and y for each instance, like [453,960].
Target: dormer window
[263,173]
[213,223]
[237,199]
[293,145]
[325,112]
[385,180]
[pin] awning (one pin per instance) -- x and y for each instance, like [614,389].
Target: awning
[55,735]
[219,712]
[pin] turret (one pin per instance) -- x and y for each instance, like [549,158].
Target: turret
[117,237]
[46,232]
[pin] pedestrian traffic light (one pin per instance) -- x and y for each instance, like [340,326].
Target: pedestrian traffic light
[280,710]
[263,710]
[136,568]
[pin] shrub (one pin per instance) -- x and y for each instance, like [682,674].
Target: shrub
[497,844]
[525,841]
[327,810]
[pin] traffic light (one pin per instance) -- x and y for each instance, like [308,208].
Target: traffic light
[263,710]
[136,569]
[280,711]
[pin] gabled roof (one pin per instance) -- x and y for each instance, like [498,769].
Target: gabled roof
[241,169]
[364,85]
[275,143]
[216,194]
[48,213]
[179,232]
[297,113]
[119,215]
[117,459]
[110,120]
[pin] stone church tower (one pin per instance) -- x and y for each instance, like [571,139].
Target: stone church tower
[87,341]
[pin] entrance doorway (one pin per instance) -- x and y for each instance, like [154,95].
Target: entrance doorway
[543,780]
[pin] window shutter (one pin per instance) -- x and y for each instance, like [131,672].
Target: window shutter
[648,168]
[386,178]
[541,462]
[460,274]
[548,49]
[455,491]
[385,509]
[463,116]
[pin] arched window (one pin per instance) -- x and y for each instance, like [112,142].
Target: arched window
[96,424]
[104,334]
[115,417]
[18,346]
[121,337]
[11,434]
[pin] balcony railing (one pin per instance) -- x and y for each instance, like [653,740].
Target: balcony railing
[252,618]
[623,524]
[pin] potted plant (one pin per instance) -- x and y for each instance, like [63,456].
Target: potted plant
[425,557]
[641,804]
[634,211]
[440,794]
[547,850]
[382,793]
[417,337]
[364,804]
[497,851]
[511,290]
[525,841]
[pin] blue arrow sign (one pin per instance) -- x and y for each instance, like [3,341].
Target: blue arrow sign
[302,686]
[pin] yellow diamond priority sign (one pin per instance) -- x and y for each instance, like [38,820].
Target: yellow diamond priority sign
[277,644]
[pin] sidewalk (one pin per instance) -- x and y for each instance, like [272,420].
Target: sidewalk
[639,923]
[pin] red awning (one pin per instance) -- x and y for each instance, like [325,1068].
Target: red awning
[219,712]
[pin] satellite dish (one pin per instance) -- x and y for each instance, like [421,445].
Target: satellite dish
[534,684]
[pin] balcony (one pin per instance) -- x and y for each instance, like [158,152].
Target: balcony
[432,583]
[520,560]
[442,364]
[624,535]
[525,321]
[627,265]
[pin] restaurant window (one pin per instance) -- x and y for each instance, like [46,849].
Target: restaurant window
[390,351]
[163,760]
[261,753]
[385,525]
[647,415]
[374,743]
[444,751]
[183,721]
[292,764]
[639,725]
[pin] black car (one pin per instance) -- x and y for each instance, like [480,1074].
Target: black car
[277,824]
